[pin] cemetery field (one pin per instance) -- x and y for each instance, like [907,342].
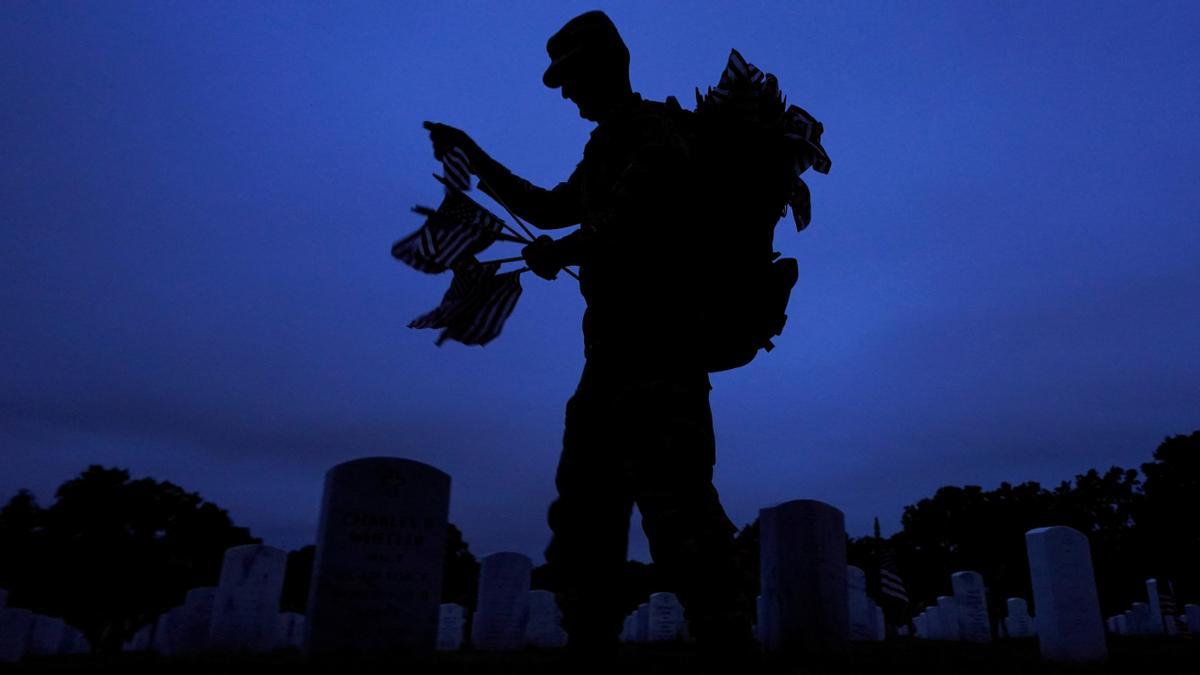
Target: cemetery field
[1148,656]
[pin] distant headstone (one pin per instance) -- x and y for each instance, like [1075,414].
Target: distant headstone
[949,614]
[1192,612]
[1121,624]
[665,617]
[919,626]
[933,622]
[642,623]
[503,602]
[859,611]
[193,621]
[758,618]
[970,596]
[166,630]
[377,577]
[142,640]
[1139,619]
[452,621]
[289,630]
[74,642]
[1069,622]
[247,599]
[46,635]
[15,627]
[902,631]
[803,577]
[878,624]
[1155,624]
[629,628]
[544,629]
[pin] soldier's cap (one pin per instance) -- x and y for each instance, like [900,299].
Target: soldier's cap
[590,38]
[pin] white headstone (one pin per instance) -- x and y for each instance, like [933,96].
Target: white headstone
[1154,624]
[1192,612]
[758,618]
[970,596]
[803,577]
[641,631]
[503,602]
[1139,618]
[878,624]
[75,642]
[544,629]
[289,630]
[665,618]
[1121,624]
[193,621]
[381,542]
[950,615]
[46,635]
[247,599]
[1064,591]
[166,631]
[452,621]
[142,639]
[15,628]
[857,608]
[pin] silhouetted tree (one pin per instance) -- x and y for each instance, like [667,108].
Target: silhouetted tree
[297,579]
[112,553]
[460,571]
[1170,513]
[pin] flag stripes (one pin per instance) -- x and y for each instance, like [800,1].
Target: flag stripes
[459,227]
[890,583]
[476,306]
[457,168]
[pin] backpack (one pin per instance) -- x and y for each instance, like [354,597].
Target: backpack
[747,153]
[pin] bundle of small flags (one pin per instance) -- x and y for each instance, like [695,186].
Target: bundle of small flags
[750,96]
[480,298]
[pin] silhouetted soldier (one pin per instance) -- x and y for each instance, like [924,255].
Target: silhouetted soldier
[639,427]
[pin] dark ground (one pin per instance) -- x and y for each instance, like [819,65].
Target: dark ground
[1147,656]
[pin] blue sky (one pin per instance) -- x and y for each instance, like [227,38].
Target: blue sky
[197,202]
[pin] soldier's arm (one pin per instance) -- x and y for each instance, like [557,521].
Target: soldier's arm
[547,209]
[550,209]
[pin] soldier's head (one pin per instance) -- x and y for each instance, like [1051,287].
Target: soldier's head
[590,61]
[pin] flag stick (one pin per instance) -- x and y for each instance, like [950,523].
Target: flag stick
[492,193]
[505,225]
[500,261]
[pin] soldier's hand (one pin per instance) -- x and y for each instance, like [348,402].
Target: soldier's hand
[446,137]
[542,258]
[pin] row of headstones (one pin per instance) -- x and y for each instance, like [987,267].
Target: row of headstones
[1151,618]
[964,615]
[381,542]
[804,586]
[508,615]
[659,619]
[240,614]
[866,618]
[23,632]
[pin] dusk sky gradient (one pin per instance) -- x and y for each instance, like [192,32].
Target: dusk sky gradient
[197,202]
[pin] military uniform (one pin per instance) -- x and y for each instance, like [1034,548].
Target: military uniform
[639,427]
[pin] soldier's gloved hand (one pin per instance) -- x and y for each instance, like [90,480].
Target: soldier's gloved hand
[445,137]
[542,257]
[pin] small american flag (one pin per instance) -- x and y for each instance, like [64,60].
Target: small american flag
[474,309]
[456,169]
[890,583]
[460,227]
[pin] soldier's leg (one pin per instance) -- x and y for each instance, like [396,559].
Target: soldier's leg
[590,526]
[691,538]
